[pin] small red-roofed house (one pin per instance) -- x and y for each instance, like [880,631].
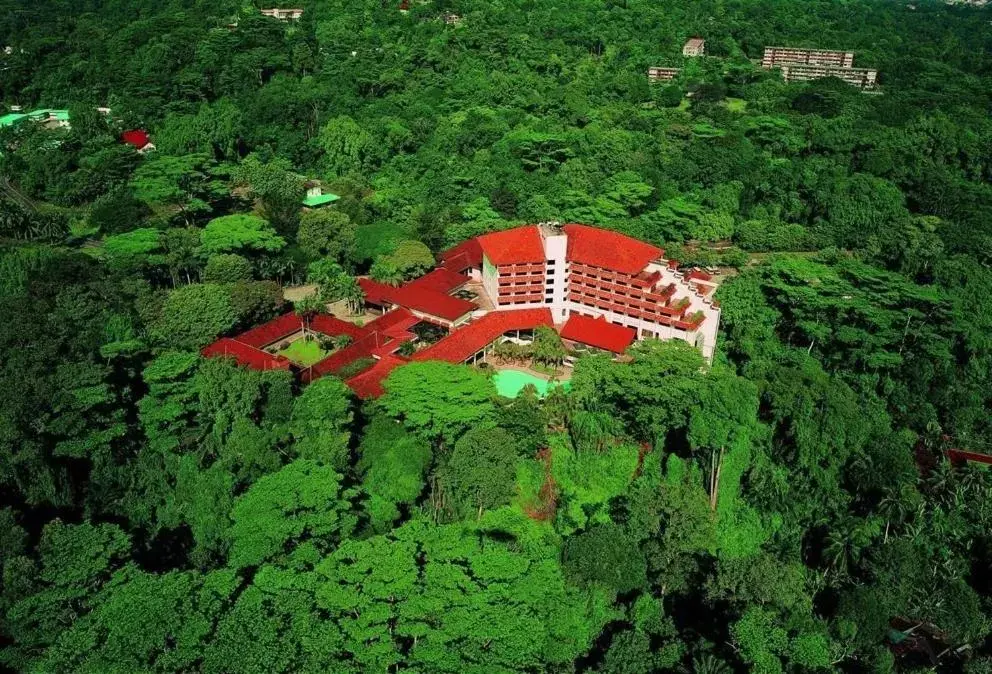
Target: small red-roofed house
[138,139]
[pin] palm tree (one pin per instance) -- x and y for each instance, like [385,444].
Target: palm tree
[353,294]
[709,664]
[306,308]
[593,429]
[848,540]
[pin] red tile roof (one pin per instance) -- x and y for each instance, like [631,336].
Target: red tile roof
[598,332]
[440,280]
[377,293]
[960,457]
[469,339]
[247,355]
[273,331]
[332,326]
[361,348]
[291,323]
[461,257]
[609,250]
[136,137]
[389,320]
[421,295]
[368,384]
[519,245]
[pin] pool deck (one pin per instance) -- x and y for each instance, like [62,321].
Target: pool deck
[566,372]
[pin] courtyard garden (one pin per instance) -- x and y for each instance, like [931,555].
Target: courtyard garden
[428,333]
[304,352]
[311,348]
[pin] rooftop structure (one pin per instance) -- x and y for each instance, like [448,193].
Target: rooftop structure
[658,74]
[283,14]
[694,46]
[599,289]
[451,19]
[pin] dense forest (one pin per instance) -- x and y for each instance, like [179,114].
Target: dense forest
[162,512]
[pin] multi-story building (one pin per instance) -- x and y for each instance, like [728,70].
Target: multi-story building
[863,78]
[776,56]
[283,14]
[802,65]
[694,46]
[656,74]
[592,272]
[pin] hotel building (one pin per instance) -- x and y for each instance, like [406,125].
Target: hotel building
[587,271]
[600,290]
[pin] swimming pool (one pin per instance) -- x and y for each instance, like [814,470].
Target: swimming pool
[509,383]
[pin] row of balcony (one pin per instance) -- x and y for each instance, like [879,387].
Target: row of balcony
[681,322]
[514,269]
[652,302]
[505,281]
[659,297]
[520,299]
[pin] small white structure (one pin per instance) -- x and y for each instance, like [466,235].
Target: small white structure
[283,14]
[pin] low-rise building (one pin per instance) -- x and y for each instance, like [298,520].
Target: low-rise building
[315,197]
[283,14]
[658,74]
[48,118]
[694,46]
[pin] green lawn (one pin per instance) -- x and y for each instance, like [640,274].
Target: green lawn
[304,352]
[736,104]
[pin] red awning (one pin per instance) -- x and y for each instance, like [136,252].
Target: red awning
[598,333]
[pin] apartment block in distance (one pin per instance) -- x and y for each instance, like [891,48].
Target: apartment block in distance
[656,74]
[694,47]
[802,65]
[863,78]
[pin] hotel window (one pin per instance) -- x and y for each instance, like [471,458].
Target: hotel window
[550,262]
